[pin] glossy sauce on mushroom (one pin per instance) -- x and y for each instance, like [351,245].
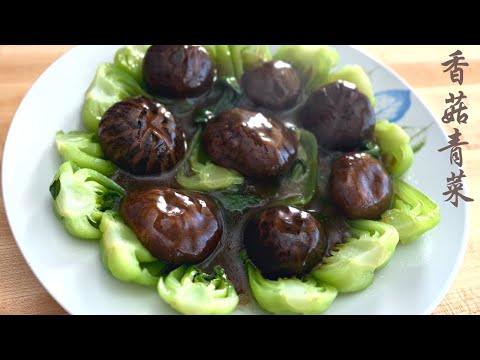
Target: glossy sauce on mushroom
[285,241]
[142,136]
[231,243]
[178,71]
[275,85]
[340,116]
[360,186]
[250,143]
[174,225]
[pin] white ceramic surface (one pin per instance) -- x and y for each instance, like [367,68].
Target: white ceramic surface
[414,282]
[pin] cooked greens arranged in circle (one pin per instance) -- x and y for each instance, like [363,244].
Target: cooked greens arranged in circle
[225,174]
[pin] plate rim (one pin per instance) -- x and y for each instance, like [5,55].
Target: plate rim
[466,224]
[6,148]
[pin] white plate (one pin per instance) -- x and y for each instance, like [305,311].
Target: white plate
[414,282]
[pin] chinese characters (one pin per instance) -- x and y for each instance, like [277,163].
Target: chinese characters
[455,67]
[455,186]
[455,112]
[455,148]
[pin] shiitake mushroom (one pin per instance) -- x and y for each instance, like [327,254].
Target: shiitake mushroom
[141,136]
[284,241]
[175,226]
[180,227]
[178,71]
[274,85]
[250,143]
[340,116]
[360,186]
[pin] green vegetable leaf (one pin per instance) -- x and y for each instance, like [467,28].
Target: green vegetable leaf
[227,92]
[130,60]
[314,62]
[55,188]
[230,94]
[373,149]
[124,255]
[394,142]
[212,52]
[203,116]
[109,86]
[110,200]
[356,75]
[290,296]
[233,84]
[413,213]
[245,57]
[254,55]
[299,184]
[234,60]
[79,199]
[84,150]
[223,61]
[238,202]
[353,263]
[205,175]
[192,292]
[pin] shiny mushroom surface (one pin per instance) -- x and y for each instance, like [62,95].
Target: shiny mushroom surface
[141,136]
[340,116]
[175,226]
[285,241]
[274,85]
[250,143]
[178,71]
[360,186]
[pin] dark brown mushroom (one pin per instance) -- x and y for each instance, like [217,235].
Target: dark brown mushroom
[284,241]
[274,85]
[360,186]
[340,116]
[175,226]
[250,143]
[178,71]
[141,136]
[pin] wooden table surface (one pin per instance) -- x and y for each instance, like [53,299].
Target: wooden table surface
[20,66]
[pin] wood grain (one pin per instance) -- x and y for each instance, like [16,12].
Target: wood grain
[20,66]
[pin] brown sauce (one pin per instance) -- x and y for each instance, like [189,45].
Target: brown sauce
[227,253]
